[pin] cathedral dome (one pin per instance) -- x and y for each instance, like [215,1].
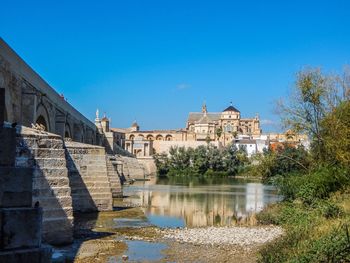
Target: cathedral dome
[231,108]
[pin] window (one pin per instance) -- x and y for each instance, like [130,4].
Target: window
[228,128]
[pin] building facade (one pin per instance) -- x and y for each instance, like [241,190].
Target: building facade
[217,128]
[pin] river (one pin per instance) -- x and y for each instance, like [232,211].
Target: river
[141,225]
[199,202]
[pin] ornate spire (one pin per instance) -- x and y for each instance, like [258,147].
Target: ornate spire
[97,120]
[204,108]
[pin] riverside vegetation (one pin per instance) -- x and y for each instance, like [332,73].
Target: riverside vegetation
[204,160]
[315,183]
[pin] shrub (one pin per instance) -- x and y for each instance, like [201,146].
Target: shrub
[311,187]
[328,209]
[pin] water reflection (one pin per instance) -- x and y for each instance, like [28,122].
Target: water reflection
[195,202]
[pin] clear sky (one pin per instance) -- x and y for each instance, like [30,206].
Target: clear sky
[155,61]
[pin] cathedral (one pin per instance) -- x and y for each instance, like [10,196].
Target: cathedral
[216,128]
[221,126]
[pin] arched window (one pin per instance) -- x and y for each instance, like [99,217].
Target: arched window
[150,137]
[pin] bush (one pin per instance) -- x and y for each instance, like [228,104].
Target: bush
[211,173]
[311,187]
[331,247]
[329,209]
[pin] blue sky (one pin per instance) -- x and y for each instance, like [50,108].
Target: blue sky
[155,61]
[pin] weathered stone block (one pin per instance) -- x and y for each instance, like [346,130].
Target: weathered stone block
[15,187]
[8,146]
[50,162]
[15,230]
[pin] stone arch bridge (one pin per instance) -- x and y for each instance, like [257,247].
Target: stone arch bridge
[29,99]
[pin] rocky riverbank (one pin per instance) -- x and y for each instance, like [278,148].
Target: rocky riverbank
[223,236]
[108,236]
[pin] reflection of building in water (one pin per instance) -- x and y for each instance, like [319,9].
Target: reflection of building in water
[254,197]
[218,205]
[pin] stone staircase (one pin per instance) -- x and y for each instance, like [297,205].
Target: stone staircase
[90,186]
[115,178]
[51,188]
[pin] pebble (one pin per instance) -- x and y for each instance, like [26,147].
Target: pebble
[218,236]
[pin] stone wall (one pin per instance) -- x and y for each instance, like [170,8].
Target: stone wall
[132,168]
[45,153]
[149,165]
[20,223]
[29,99]
[164,146]
[89,181]
[68,177]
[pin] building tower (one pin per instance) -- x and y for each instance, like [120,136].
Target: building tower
[135,126]
[98,121]
[105,123]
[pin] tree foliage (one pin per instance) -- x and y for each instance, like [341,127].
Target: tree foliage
[314,96]
[201,160]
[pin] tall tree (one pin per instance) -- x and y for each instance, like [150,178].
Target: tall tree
[312,98]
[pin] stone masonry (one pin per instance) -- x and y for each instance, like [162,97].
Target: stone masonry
[51,186]
[20,223]
[91,189]
[116,179]
[68,177]
[132,168]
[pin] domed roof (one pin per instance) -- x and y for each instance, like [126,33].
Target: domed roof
[231,108]
[134,124]
[105,119]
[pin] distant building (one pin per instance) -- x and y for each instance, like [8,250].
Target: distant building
[216,128]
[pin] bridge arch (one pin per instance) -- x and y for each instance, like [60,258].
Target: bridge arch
[67,131]
[43,117]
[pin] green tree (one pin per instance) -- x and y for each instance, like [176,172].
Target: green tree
[313,97]
[335,131]
[218,132]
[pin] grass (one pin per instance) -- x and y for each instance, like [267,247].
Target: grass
[317,232]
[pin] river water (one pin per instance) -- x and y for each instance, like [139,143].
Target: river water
[199,202]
